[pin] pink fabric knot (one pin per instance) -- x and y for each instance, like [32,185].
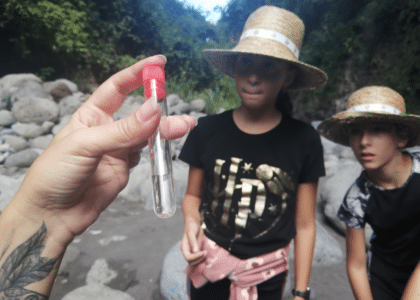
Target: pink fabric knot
[245,274]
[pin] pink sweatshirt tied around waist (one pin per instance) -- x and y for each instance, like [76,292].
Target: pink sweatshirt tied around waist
[245,274]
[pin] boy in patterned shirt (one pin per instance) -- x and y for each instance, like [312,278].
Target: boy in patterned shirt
[386,195]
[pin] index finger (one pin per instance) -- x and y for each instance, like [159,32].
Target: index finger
[110,95]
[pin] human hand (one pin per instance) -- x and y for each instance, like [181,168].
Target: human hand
[87,163]
[191,243]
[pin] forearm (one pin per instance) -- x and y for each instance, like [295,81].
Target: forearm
[191,209]
[29,256]
[412,290]
[359,281]
[304,248]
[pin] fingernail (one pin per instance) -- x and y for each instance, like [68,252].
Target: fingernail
[162,56]
[146,111]
[196,122]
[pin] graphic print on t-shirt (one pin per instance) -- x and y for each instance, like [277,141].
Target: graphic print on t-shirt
[245,192]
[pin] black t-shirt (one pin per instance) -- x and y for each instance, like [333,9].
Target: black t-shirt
[393,214]
[250,180]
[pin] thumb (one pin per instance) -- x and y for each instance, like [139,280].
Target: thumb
[127,132]
[192,237]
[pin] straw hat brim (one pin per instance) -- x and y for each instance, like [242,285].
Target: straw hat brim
[332,128]
[308,77]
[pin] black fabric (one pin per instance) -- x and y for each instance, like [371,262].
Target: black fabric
[251,180]
[386,282]
[271,289]
[395,219]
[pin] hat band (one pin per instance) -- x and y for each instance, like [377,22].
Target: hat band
[376,107]
[272,35]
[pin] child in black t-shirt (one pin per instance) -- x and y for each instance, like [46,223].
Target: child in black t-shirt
[386,195]
[254,171]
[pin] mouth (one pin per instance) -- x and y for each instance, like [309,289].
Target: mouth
[252,93]
[365,156]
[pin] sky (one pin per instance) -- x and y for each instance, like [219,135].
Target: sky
[207,6]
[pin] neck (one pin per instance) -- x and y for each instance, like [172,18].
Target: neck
[254,121]
[394,174]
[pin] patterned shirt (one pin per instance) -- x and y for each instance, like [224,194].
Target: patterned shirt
[393,214]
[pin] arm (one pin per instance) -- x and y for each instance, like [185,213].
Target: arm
[191,238]
[79,174]
[412,290]
[356,263]
[305,233]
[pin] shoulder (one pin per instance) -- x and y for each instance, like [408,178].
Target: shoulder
[416,161]
[300,127]
[352,210]
[302,133]
[212,121]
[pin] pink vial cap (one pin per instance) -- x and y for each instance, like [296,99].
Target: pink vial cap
[153,72]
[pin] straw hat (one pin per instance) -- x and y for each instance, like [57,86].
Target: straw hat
[273,32]
[371,104]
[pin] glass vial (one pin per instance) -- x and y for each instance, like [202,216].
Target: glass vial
[160,150]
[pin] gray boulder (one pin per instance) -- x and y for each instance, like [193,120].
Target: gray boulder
[173,99]
[173,280]
[35,110]
[68,105]
[179,109]
[57,90]
[70,84]
[9,84]
[16,142]
[139,187]
[130,105]
[63,121]
[28,130]
[198,105]
[29,89]
[41,142]
[21,159]
[333,190]
[6,118]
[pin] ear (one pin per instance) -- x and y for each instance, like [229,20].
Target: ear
[402,143]
[403,134]
[290,77]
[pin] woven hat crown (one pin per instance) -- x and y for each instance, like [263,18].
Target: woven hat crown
[376,97]
[278,20]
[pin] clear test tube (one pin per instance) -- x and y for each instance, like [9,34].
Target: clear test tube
[160,151]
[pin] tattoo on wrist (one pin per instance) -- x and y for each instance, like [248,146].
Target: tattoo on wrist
[25,266]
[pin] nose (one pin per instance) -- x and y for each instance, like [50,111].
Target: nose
[253,78]
[365,138]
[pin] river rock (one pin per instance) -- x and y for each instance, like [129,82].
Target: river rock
[21,159]
[68,105]
[29,89]
[28,130]
[35,110]
[198,105]
[9,84]
[6,118]
[16,142]
[41,142]
[57,90]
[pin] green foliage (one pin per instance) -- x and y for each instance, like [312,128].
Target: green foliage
[221,95]
[87,41]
